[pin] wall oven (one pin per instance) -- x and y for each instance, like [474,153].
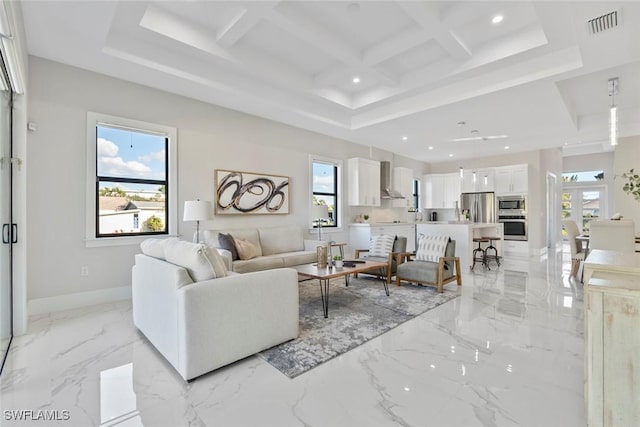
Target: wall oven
[515,226]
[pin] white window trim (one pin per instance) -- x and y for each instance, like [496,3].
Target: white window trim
[93,119]
[339,164]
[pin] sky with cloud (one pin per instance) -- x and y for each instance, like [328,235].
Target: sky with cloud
[126,154]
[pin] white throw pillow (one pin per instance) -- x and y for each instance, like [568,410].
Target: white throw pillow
[155,247]
[431,248]
[201,261]
[381,245]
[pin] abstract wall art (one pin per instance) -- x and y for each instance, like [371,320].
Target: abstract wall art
[242,193]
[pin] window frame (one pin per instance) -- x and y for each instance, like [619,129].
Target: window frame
[171,197]
[337,164]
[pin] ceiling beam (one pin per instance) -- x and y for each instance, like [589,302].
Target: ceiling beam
[427,15]
[306,30]
[243,22]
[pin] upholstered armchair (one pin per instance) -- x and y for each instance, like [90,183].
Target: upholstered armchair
[429,273]
[399,245]
[612,235]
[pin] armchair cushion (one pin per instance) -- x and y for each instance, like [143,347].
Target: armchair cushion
[200,261]
[431,248]
[381,245]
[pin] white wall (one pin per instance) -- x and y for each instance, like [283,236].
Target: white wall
[626,157]
[210,137]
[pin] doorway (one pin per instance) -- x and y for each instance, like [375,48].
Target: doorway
[584,204]
[552,209]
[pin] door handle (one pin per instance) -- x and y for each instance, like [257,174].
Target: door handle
[14,233]
[5,233]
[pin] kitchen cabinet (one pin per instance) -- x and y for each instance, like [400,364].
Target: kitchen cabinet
[478,180]
[441,190]
[363,182]
[403,183]
[512,180]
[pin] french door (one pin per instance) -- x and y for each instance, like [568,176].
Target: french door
[584,204]
[9,231]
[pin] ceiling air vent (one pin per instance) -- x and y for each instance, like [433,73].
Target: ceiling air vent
[604,22]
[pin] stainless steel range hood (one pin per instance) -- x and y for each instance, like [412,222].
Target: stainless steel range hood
[386,191]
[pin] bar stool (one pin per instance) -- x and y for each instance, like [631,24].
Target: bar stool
[483,255]
[495,250]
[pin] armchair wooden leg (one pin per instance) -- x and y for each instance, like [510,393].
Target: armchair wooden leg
[440,276]
[397,280]
[458,275]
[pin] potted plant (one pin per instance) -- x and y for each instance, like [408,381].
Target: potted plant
[366,217]
[337,261]
[632,184]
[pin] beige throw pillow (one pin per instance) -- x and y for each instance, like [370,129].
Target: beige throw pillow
[246,249]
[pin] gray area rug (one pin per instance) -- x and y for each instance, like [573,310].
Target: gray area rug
[357,313]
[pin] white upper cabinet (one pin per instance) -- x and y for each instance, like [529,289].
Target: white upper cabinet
[403,183]
[512,180]
[363,182]
[478,180]
[441,191]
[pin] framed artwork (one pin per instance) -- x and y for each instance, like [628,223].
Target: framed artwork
[244,193]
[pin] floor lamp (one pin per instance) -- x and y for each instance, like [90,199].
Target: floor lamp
[319,213]
[197,210]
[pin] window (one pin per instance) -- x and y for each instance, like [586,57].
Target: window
[130,180]
[584,176]
[416,195]
[325,189]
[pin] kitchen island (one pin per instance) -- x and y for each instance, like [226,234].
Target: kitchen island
[463,233]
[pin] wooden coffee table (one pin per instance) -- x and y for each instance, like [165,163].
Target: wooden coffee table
[325,274]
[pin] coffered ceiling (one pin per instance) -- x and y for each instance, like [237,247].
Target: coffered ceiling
[536,79]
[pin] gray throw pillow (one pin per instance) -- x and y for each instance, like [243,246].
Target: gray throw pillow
[226,242]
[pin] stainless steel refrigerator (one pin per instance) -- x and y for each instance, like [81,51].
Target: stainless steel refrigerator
[481,206]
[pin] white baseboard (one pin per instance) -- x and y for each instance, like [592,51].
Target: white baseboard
[77,300]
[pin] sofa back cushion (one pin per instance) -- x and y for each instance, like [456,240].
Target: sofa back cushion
[201,261]
[155,247]
[278,240]
[250,234]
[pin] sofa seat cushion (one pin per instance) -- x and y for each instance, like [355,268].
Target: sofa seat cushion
[282,239]
[299,257]
[422,271]
[258,264]
[201,261]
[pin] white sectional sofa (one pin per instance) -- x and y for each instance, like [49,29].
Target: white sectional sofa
[282,246]
[199,326]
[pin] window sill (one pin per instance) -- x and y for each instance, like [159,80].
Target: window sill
[103,242]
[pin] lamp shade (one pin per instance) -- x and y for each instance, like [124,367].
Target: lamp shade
[319,212]
[197,210]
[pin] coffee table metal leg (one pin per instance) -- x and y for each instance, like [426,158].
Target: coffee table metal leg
[324,295]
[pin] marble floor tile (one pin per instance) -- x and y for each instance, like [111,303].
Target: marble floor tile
[507,352]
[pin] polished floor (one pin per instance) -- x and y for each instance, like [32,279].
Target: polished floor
[507,352]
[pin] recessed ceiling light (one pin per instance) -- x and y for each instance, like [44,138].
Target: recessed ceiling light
[506,147]
[356,79]
[404,138]
[497,19]
[450,155]
[430,148]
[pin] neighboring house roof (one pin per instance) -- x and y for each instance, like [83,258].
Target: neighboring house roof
[108,203]
[139,204]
